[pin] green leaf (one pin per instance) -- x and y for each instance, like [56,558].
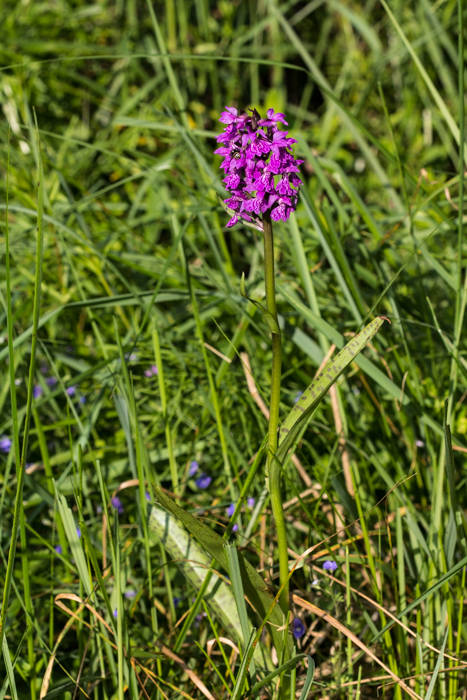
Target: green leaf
[436,669]
[195,563]
[292,663]
[254,586]
[302,412]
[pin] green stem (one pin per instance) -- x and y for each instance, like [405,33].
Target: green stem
[273,466]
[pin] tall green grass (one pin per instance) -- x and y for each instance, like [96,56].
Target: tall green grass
[116,259]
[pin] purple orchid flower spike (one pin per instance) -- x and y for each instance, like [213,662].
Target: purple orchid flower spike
[260,169]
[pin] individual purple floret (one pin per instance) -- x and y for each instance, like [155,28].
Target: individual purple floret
[71,390]
[298,628]
[329,565]
[5,444]
[230,510]
[250,502]
[260,169]
[58,548]
[203,481]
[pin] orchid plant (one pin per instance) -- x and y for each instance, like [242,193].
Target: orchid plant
[261,174]
[261,177]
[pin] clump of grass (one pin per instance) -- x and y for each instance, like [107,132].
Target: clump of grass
[117,262]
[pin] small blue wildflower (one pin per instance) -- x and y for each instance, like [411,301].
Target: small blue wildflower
[176,601]
[117,504]
[203,481]
[235,528]
[51,381]
[130,593]
[115,613]
[250,502]
[230,510]
[37,391]
[5,444]
[193,468]
[71,390]
[78,532]
[298,628]
[58,548]
[297,396]
[329,565]
[148,496]
[82,399]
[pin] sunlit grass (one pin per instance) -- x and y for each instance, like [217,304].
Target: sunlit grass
[136,271]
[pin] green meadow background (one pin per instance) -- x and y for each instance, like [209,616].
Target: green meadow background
[125,333]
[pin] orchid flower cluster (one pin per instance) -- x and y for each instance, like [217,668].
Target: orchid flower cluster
[261,171]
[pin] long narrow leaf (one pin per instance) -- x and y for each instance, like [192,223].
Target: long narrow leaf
[303,410]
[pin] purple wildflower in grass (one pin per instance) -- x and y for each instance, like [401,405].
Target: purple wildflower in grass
[250,502]
[419,443]
[148,496]
[71,390]
[5,444]
[329,565]
[203,481]
[176,601]
[82,399]
[193,468]
[199,618]
[78,532]
[235,528]
[115,613]
[297,396]
[230,510]
[37,391]
[51,381]
[151,372]
[260,169]
[117,504]
[58,548]
[298,628]
[130,593]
